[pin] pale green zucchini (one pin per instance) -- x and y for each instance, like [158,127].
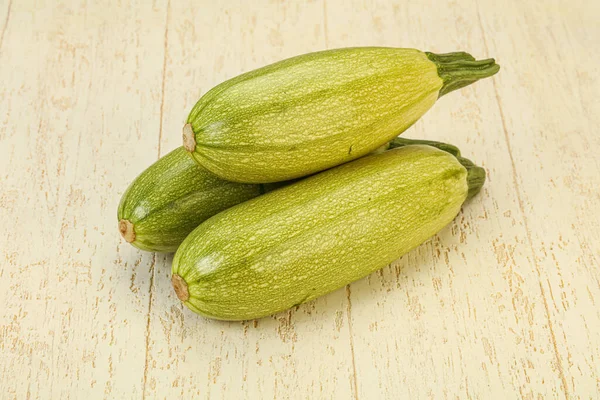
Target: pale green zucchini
[307,239]
[318,110]
[174,195]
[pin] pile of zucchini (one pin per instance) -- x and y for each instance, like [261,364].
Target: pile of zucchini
[292,181]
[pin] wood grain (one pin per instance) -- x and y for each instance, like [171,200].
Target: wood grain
[503,303]
[80,120]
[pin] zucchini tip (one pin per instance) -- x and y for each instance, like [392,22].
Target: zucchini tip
[189,139]
[127,230]
[181,287]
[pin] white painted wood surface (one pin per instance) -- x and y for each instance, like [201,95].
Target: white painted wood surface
[504,303]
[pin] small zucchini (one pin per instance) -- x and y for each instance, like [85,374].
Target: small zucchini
[307,239]
[315,111]
[171,198]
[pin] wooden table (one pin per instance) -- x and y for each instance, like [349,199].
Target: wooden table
[503,303]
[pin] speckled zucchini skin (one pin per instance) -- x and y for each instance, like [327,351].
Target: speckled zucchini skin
[312,112]
[171,198]
[307,239]
[174,195]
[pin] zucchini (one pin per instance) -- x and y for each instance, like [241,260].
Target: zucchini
[174,195]
[315,111]
[171,198]
[307,239]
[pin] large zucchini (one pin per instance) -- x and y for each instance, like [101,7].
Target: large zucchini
[312,112]
[304,240]
[174,195]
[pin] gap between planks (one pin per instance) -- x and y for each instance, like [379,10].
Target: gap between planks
[5,23]
[158,155]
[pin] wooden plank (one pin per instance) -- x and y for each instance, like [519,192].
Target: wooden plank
[550,114]
[81,92]
[501,304]
[303,353]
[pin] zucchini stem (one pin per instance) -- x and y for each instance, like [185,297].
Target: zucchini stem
[475,174]
[460,69]
[448,148]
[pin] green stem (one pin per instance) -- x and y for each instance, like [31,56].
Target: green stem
[449,57]
[475,174]
[449,148]
[460,69]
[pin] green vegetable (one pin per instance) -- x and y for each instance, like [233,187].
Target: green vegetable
[171,198]
[174,195]
[307,239]
[315,111]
